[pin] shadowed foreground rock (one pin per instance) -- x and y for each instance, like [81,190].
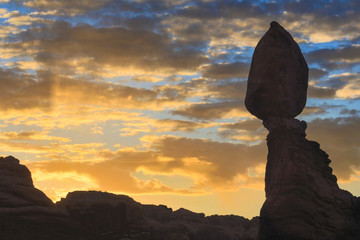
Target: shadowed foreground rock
[303,200]
[27,214]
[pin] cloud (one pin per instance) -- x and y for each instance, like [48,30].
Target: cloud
[113,174]
[172,125]
[67,7]
[97,130]
[228,90]
[351,85]
[228,22]
[70,90]
[320,92]
[353,112]
[47,91]
[32,135]
[144,125]
[309,110]
[214,110]
[345,85]
[209,164]
[85,49]
[5,31]
[223,161]
[67,117]
[25,147]
[315,73]
[247,131]
[19,90]
[21,20]
[247,124]
[226,70]
[345,56]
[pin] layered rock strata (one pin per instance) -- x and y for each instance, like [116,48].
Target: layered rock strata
[303,199]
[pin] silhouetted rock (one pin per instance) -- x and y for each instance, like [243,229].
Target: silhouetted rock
[106,216]
[26,212]
[303,200]
[16,186]
[278,77]
[166,224]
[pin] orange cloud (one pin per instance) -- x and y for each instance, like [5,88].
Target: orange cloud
[211,165]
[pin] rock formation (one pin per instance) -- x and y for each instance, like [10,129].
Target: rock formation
[303,200]
[106,216]
[27,214]
[278,76]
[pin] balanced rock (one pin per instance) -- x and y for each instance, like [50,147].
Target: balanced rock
[278,77]
[303,199]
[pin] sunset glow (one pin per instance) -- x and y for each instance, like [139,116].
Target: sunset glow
[146,98]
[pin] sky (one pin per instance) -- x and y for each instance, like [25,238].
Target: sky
[146,98]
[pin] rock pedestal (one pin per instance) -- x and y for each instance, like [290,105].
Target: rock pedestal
[303,200]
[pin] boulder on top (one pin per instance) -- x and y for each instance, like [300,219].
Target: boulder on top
[278,76]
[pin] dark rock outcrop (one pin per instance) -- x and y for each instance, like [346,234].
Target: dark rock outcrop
[104,215]
[166,224]
[278,77]
[303,199]
[16,186]
[27,214]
